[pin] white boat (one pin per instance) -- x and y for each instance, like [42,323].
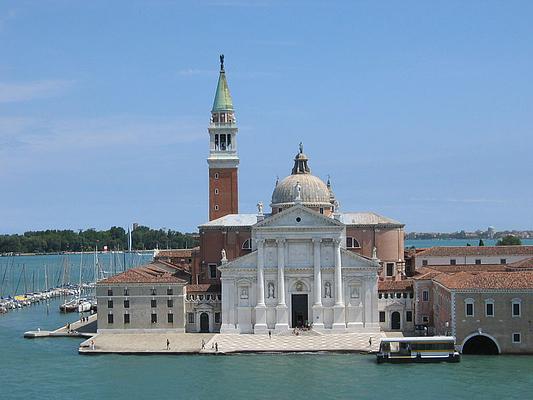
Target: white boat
[418,349]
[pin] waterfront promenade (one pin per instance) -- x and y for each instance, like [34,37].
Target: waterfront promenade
[74,329]
[191,343]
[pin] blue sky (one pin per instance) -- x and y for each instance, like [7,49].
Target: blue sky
[421,111]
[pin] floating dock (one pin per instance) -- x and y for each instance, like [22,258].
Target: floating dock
[86,329]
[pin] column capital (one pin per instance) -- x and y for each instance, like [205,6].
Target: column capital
[316,240]
[260,241]
[281,241]
[337,241]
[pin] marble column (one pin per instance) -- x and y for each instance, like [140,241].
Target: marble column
[370,306]
[282,315]
[228,306]
[318,322]
[339,314]
[260,309]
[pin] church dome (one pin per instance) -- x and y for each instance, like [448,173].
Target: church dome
[301,187]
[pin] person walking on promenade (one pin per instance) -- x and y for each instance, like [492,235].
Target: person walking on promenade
[270,334]
[168,344]
[370,342]
[92,344]
[203,344]
[216,347]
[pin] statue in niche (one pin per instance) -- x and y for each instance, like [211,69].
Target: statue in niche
[354,292]
[299,286]
[260,208]
[327,290]
[244,293]
[223,254]
[374,253]
[298,190]
[270,291]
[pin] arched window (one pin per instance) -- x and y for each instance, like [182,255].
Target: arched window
[247,244]
[352,243]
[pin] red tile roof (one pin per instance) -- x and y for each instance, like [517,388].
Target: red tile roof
[526,264]
[203,287]
[149,273]
[458,251]
[395,286]
[175,253]
[486,280]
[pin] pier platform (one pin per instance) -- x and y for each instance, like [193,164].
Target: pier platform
[191,343]
[84,329]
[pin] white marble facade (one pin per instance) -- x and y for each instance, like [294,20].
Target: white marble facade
[299,273]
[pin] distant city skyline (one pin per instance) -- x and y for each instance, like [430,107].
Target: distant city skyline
[420,112]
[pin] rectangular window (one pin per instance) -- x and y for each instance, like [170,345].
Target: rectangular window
[110,292]
[169,291]
[153,303]
[469,309]
[109,318]
[217,318]
[453,261]
[154,318]
[153,292]
[424,262]
[126,304]
[349,242]
[212,271]
[478,261]
[126,318]
[425,319]
[409,316]
[126,292]
[425,295]
[517,337]
[503,261]
[489,309]
[390,269]
[109,303]
[190,318]
[170,303]
[321,210]
[170,318]
[516,309]
[382,316]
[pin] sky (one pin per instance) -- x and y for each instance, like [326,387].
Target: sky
[420,111]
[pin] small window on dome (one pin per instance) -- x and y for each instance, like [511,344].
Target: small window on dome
[216,207]
[298,219]
[216,191]
[216,175]
[321,210]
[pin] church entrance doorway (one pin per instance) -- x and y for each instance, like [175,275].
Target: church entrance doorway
[204,322]
[395,320]
[299,306]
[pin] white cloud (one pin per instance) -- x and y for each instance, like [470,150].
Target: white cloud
[24,91]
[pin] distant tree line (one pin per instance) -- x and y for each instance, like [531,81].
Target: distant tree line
[116,238]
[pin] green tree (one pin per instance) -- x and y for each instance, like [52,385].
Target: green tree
[509,240]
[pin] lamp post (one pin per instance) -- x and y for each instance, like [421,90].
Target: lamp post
[446,324]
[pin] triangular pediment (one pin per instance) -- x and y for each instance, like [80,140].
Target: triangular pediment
[298,216]
[349,259]
[247,261]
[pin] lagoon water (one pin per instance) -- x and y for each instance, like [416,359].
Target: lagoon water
[52,369]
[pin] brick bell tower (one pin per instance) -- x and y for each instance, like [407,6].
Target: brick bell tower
[223,160]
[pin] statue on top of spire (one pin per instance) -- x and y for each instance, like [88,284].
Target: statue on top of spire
[301,145]
[222,62]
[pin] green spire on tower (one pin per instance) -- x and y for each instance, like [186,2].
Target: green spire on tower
[223,100]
